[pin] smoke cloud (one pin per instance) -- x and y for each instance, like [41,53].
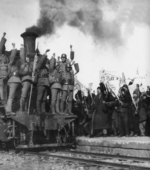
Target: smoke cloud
[104,20]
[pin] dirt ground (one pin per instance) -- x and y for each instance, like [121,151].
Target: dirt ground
[13,161]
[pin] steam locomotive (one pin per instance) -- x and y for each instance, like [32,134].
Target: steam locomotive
[29,130]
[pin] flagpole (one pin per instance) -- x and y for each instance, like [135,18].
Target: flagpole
[30,98]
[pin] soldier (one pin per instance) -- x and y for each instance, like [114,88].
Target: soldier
[26,73]
[3,77]
[13,80]
[42,83]
[3,71]
[64,61]
[67,89]
[55,82]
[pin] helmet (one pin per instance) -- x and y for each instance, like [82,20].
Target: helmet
[68,65]
[63,56]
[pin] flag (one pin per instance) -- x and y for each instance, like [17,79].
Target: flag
[90,86]
[79,86]
[131,82]
[111,78]
[123,80]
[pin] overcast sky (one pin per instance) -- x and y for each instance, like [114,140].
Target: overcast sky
[91,52]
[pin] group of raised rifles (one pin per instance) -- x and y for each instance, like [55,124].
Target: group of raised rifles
[17,70]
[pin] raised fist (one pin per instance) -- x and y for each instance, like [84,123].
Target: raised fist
[4,34]
[71,47]
[47,50]
[13,44]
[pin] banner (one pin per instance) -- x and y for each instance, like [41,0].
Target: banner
[142,80]
[111,78]
[106,76]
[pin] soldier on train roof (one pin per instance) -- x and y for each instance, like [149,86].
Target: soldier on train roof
[55,81]
[42,84]
[67,89]
[13,79]
[26,79]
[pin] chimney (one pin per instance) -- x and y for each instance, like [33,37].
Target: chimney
[29,43]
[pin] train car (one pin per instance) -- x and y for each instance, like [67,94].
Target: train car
[29,130]
[36,131]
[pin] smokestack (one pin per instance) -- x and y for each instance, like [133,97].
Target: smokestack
[29,43]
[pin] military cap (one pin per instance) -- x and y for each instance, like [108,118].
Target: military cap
[68,65]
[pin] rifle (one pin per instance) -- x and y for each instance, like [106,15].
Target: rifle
[33,76]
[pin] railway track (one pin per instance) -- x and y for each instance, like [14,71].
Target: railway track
[123,162]
[112,156]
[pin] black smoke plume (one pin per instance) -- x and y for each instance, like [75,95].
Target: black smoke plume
[102,19]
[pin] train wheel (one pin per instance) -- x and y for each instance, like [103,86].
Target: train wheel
[16,140]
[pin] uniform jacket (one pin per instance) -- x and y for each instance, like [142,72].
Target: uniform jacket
[3,68]
[55,79]
[14,74]
[63,67]
[43,72]
[26,72]
[67,81]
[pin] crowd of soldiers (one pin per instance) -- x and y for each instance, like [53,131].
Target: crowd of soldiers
[108,114]
[48,75]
